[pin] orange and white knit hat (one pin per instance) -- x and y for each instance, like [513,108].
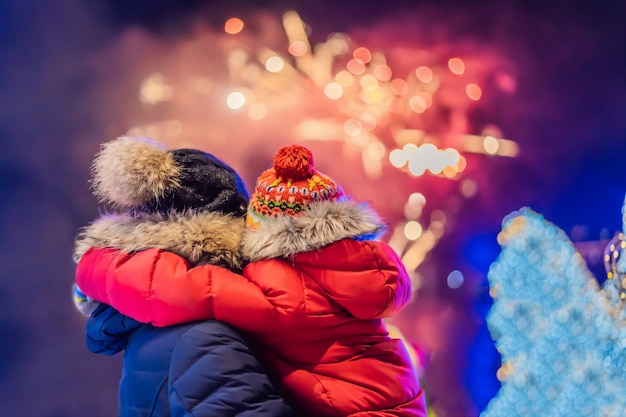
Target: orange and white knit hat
[290,186]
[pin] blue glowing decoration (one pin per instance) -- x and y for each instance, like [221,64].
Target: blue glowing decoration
[561,336]
[615,260]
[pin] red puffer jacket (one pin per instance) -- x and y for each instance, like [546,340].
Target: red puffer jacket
[314,317]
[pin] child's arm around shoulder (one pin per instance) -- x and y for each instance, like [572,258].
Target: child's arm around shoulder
[162,288]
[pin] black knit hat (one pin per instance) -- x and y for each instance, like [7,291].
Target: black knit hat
[140,175]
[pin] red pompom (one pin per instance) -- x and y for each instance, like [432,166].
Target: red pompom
[293,163]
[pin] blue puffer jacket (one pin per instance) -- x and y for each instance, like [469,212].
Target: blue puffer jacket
[195,369]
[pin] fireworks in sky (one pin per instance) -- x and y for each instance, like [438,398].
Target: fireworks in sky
[401,112]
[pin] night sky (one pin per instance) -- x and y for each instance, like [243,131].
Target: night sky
[64,79]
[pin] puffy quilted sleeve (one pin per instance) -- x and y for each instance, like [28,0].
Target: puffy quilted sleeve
[394,279]
[213,372]
[107,330]
[367,278]
[161,288]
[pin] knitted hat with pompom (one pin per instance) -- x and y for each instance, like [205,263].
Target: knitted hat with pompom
[290,186]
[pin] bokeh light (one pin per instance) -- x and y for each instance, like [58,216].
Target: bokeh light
[362,54]
[274,64]
[412,230]
[298,48]
[233,25]
[235,100]
[333,90]
[455,279]
[456,65]
[424,74]
[473,91]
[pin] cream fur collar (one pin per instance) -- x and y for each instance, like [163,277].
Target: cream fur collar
[199,237]
[321,224]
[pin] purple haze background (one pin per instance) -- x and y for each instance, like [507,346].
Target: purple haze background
[60,93]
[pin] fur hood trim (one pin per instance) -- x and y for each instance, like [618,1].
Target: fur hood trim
[320,225]
[208,237]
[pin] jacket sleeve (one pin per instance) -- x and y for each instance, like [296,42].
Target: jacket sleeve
[161,288]
[389,289]
[395,279]
[107,331]
[213,372]
[379,287]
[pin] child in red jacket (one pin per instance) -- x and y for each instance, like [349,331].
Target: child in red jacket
[311,300]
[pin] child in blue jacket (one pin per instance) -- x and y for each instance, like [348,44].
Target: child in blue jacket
[191,203]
